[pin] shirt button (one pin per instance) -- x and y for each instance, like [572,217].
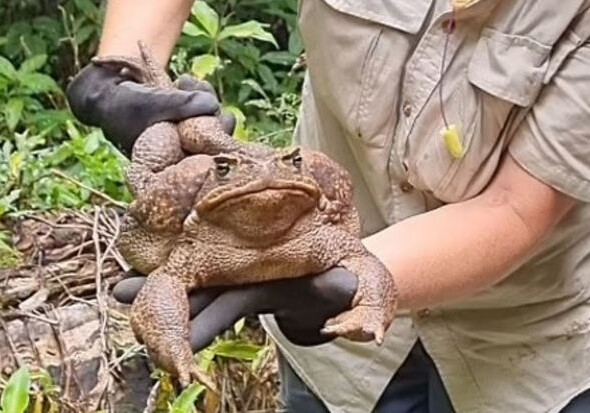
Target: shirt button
[423,313]
[407,109]
[406,187]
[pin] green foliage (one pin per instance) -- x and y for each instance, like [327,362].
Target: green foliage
[15,397]
[29,97]
[185,402]
[249,50]
[28,180]
[47,392]
[66,31]
[234,348]
[37,132]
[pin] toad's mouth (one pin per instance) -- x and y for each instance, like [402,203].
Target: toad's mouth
[285,187]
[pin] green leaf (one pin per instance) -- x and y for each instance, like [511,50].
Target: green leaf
[15,398]
[205,358]
[73,132]
[192,30]
[239,326]
[240,133]
[255,86]
[38,83]
[8,203]
[270,82]
[33,64]
[207,17]
[260,104]
[249,30]
[35,44]
[92,142]
[7,69]
[87,7]
[16,164]
[236,349]
[185,402]
[12,112]
[205,65]
[84,34]
[280,58]
[295,43]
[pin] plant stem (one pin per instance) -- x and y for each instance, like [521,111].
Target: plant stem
[106,197]
[217,75]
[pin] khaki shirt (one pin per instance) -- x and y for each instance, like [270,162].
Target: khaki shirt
[517,79]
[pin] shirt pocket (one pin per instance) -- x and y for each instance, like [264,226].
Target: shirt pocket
[356,51]
[505,74]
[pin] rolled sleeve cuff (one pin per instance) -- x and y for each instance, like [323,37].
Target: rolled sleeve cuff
[550,171]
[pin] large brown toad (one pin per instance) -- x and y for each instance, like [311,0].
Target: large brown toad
[251,220]
[241,217]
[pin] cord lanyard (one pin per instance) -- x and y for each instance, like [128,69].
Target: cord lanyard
[450,132]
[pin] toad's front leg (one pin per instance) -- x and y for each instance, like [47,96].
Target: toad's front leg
[159,318]
[374,305]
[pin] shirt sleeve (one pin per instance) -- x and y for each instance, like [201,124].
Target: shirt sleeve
[553,141]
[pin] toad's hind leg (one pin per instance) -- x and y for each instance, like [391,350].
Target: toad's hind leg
[374,305]
[159,318]
[144,70]
[156,148]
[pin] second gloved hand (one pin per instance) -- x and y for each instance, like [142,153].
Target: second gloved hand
[301,306]
[122,108]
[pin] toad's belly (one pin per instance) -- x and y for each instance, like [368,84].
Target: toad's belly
[205,264]
[233,266]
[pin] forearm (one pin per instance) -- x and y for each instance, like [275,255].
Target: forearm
[462,248]
[158,23]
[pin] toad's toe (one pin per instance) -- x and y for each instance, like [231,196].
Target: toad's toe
[359,324]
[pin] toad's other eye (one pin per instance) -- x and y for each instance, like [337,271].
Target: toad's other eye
[297,160]
[294,158]
[222,169]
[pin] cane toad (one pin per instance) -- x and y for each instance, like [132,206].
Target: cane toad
[251,220]
[224,214]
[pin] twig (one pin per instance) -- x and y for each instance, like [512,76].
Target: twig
[96,192]
[131,351]
[14,314]
[69,294]
[278,132]
[111,243]
[66,226]
[152,401]
[102,306]
[10,342]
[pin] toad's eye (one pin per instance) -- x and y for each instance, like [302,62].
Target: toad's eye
[222,169]
[297,160]
[224,165]
[294,158]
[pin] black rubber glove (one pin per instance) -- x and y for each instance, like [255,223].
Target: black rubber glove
[122,108]
[301,306]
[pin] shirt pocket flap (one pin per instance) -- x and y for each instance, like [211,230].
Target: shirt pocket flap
[508,66]
[406,16]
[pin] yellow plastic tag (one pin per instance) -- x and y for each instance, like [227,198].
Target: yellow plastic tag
[453,143]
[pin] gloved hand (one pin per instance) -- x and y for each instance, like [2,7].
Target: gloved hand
[301,306]
[122,108]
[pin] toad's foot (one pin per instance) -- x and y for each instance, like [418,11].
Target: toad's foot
[374,305]
[176,358]
[362,323]
[159,318]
